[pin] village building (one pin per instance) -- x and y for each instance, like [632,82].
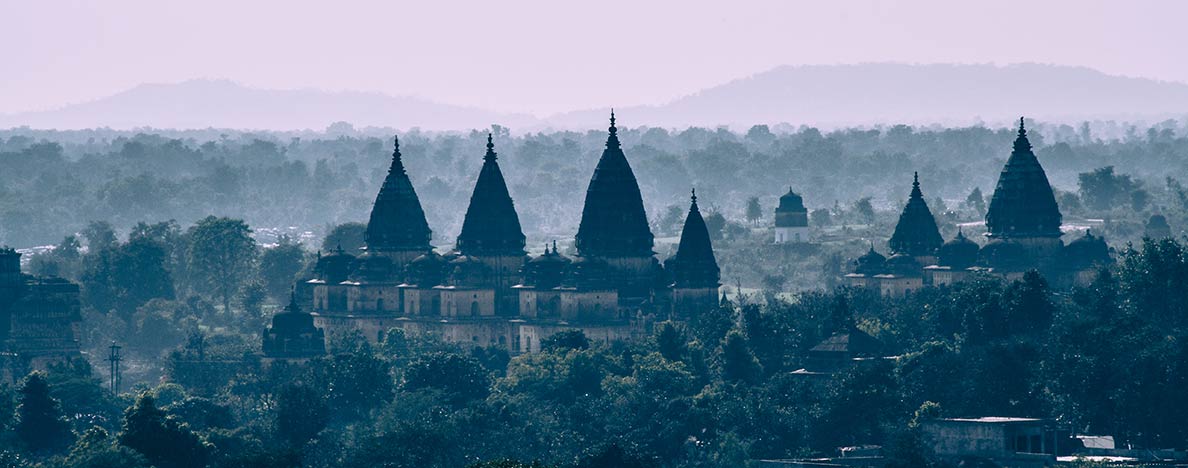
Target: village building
[791,219]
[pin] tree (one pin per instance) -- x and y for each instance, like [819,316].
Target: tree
[737,362]
[461,378]
[670,341]
[864,210]
[349,236]
[164,441]
[95,449]
[976,201]
[100,236]
[357,381]
[1101,189]
[565,340]
[279,267]
[39,420]
[301,413]
[222,254]
[715,223]
[1139,199]
[821,218]
[140,273]
[754,210]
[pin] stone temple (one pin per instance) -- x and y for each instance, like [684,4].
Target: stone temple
[1023,224]
[39,318]
[487,291]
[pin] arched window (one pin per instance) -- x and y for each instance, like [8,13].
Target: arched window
[474,309]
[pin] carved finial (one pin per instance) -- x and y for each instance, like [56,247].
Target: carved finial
[397,164]
[916,179]
[694,197]
[1022,128]
[293,298]
[554,246]
[490,156]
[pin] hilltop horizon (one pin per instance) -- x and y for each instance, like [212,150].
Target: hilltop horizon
[819,95]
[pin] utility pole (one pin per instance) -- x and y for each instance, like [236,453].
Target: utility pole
[114,360]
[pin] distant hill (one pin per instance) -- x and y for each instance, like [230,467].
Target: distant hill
[825,95]
[921,94]
[225,104]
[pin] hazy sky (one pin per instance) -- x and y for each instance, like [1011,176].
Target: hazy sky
[548,56]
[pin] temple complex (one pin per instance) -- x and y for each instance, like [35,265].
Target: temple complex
[1023,224]
[487,291]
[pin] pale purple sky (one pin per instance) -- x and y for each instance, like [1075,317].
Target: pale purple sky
[549,56]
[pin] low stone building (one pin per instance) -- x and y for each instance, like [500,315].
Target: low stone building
[1014,442]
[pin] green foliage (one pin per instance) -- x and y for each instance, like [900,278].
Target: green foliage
[222,254]
[754,211]
[164,441]
[39,424]
[737,363]
[460,378]
[349,236]
[301,413]
[565,340]
[1102,190]
[279,266]
[670,341]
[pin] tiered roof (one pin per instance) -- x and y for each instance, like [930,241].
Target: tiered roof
[397,220]
[694,264]
[491,226]
[1023,204]
[614,223]
[916,233]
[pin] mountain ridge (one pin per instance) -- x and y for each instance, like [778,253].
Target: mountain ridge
[821,95]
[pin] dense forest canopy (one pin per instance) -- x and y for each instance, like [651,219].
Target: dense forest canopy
[55,182]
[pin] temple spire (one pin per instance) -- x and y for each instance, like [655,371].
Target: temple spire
[916,233]
[614,222]
[1023,204]
[490,156]
[612,140]
[491,225]
[397,221]
[397,162]
[694,264]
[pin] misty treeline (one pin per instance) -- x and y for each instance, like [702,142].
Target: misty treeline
[719,391]
[55,182]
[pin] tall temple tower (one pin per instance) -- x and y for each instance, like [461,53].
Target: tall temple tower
[916,234]
[491,235]
[614,226]
[1023,209]
[693,267]
[397,228]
